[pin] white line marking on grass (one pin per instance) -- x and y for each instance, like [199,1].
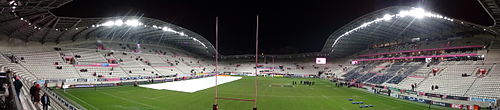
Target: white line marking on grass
[82,101]
[128,100]
[158,97]
[343,108]
[326,97]
[119,106]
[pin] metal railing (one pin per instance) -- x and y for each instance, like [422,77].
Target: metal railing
[62,101]
[16,104]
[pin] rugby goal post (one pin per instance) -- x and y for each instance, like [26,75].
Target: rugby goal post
[216,98]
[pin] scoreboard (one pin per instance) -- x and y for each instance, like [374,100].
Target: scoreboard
[320,60]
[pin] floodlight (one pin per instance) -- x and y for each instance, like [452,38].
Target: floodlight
[387,17]
[418,13]
[403,13]
[132,22]
[182,34]
[167,29]
[118,22]
[108,23]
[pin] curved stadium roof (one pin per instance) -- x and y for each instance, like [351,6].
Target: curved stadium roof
[395,24]
[32,21]
[492,7]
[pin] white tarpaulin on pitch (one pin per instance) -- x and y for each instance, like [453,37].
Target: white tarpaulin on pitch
[192,85]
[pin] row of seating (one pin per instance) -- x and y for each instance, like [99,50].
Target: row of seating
[424,45]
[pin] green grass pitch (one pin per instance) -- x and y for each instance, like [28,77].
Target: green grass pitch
[321,96]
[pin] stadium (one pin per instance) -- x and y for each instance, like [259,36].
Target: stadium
[393,58]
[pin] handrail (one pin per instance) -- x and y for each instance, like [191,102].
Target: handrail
[475,79]
[163,59]
[491,69]
[63,60]
[20,65]
[14,94]
[124,71]
[31,73]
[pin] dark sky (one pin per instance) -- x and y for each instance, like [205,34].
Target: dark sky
[287,26]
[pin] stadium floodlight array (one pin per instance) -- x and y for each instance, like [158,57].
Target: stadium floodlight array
[119,22]
[14,4]
[418,13]
[135,23]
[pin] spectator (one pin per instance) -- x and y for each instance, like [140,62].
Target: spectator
[62,84]
[37,94]
[490,106]
[32,92]
[18,85]
[45,101]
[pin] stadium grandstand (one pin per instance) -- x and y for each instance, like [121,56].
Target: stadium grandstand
[395,58]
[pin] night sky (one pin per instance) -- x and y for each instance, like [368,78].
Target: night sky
[287,26]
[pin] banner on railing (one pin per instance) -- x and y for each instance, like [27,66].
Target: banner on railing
[93,85]
[52,81]
[81,80]
[82,85]
[425,101]
[112,79]
[415,99]
[457,98]
[482,100]
[169,80]
[410,92]
[444,104]
[434,95]
[41,81]
[71,80]
[91,80]
[105,85]
[98,65]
